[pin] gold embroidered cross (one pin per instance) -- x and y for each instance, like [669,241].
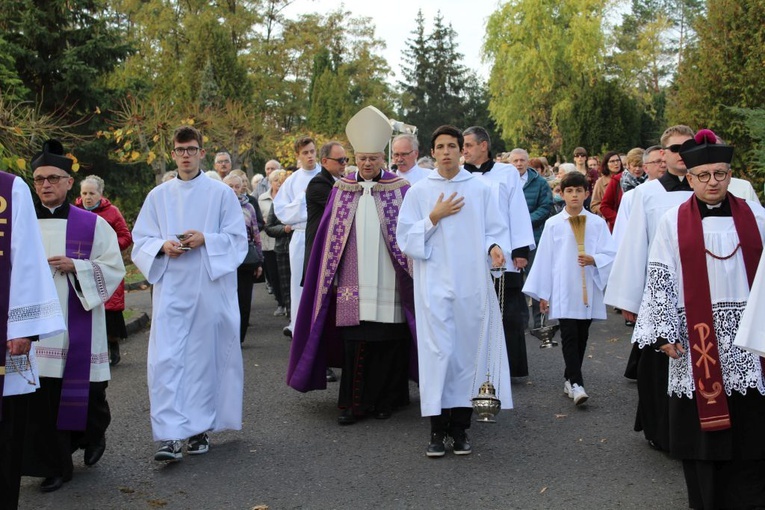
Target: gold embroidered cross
[705,358]
[346,294]
[79,253]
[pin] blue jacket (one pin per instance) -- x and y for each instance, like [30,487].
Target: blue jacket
[539,201]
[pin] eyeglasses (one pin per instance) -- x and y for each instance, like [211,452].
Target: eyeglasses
[342,161]
[397,155]
[704,177]
[654,162]
[614,161]
[191,151]
[227,161]
[52,179]
[580,155]
[674,148]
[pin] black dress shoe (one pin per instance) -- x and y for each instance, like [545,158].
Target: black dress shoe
[94,452]
[54,483]
[346,417]
[436,447]
[331,377]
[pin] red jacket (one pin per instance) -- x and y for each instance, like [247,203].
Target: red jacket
[113,217]
[612,197]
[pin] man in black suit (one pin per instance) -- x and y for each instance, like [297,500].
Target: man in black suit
[333,161]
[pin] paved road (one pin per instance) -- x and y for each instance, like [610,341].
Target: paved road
[291,454]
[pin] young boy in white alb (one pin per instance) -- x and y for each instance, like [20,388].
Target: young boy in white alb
[557,277]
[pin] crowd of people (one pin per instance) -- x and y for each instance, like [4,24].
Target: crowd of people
[405,267]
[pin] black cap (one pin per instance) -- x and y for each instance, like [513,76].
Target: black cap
[705,148]
[52,154]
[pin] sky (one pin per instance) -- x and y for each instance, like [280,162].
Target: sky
[395,20]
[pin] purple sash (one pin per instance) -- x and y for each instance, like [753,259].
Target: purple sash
[75,386]
[6,221]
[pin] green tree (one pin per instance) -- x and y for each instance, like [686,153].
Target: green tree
[724,70]
[542,52]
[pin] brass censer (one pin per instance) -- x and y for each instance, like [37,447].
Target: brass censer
[486,404]
[546,334]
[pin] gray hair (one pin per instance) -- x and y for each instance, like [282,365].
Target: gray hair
[278,165]
[212,174]
[172,174]
[567,167]
[648,151]
[410,138]
[518,150]
[480,134]
[276,174]
[96,180]
[426,162]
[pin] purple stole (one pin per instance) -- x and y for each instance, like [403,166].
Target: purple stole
[711,401]
[6,223]
[75,387]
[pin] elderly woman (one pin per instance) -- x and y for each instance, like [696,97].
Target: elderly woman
[265,202]
[249,268]
[92,199]
[282,234]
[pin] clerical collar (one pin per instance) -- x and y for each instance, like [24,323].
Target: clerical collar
[187,180]
[719,210]
[486,166]
[60,212]
[672,182]
[377,178]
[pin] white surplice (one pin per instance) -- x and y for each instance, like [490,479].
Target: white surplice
[556,275]
[290,207]
[459,326]
[751,331]
[414,174]
[662,313]
[513,207]
[34,307]
[623,217]
[194,367]
[98,278]
[628,274]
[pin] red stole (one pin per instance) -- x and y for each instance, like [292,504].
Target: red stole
[711,401]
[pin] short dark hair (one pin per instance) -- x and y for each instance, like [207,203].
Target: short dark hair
[326,149]
[187,134]
[574,180]
[604,170]
[302,142]
[580,150]
[480,134]
[447,130]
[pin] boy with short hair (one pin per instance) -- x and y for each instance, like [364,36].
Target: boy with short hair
[569,279]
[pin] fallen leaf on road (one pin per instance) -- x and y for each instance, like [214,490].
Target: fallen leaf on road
[157,502]
[260,507]
[561,416]
[543,489]
[127,490]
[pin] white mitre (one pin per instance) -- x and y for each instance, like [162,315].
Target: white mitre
[369,131]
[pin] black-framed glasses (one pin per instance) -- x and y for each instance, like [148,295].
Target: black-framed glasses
[674,148]
[704,177]
[618,160]
[52,179]
[397,155]
[191,151]
[221,161]
[654,162]
[342,161]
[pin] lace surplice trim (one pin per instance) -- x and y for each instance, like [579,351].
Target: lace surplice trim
[98,276]
[661,317]
[34,312]
[658,317]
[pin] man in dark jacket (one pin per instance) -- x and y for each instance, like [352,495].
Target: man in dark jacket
[539,201]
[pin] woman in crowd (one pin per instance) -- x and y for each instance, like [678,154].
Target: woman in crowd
[282,234]
[620,183]
[265,202]
[249,268]
[612,165]
[91,198]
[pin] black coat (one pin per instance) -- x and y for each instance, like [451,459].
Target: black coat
[316,196]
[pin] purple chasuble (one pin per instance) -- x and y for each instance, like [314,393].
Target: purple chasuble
[6,222]
[325,306]
[75,387]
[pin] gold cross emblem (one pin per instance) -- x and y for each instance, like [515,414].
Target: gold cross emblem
[704,349]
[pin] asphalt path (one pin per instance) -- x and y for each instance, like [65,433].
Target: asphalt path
[291,453]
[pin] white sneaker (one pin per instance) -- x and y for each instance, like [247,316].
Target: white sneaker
[567,389]
[578,394]
[280,310]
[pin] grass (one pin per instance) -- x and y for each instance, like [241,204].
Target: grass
[132,274]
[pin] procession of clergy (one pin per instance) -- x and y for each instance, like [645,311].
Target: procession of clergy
[402,281]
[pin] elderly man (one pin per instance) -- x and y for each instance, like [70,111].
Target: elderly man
[265,184]
[70,410]
[190,239]
[405,153]
[29,309]
[539,201]
[701,266]
[223,164]
[515,214]
[290,208]
[357,309]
